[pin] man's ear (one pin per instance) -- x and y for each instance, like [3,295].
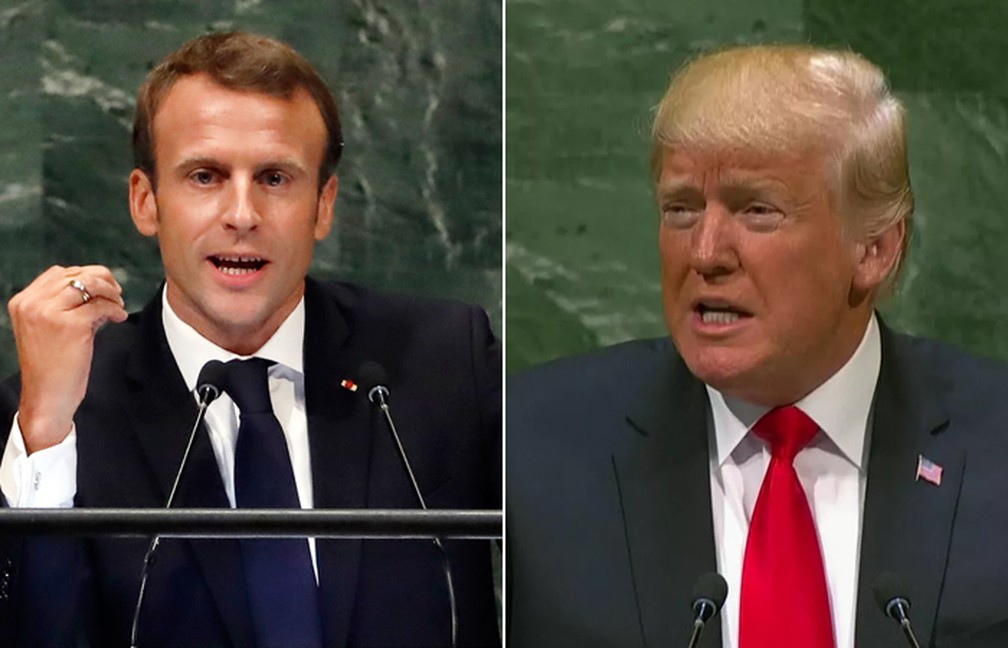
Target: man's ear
[326,202]
[143,207]
[877,256]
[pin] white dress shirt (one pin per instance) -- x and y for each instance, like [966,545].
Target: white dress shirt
[48,478]
[832,469]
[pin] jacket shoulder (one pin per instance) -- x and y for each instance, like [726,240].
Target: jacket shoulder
[617,369]
[363,305]
[581,403]
[969,388]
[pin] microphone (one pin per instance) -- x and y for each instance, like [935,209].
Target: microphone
[373,377]
[208,389]
[209,383]
[889,592]
[709,593]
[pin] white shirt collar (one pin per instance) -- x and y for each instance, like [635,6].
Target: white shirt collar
[840,406]
[192,350]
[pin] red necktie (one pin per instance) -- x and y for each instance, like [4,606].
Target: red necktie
[784,600]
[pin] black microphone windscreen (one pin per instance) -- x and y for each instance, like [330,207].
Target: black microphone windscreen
[888,586]
[371,374]
[711,586]
[212,375]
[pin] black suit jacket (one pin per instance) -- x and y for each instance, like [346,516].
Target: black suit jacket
[609,514]
[444,376]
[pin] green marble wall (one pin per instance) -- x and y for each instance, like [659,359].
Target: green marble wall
[581,252]
[419,88]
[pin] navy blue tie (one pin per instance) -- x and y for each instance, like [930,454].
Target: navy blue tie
[283,596]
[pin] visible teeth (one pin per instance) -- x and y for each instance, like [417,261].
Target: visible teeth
[238,265]
[236,271]
[719,317]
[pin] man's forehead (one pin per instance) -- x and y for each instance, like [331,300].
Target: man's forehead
[682,167]
[201,82]
[197,113]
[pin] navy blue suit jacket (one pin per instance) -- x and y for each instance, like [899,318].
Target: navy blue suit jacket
[443,366]
[609,514]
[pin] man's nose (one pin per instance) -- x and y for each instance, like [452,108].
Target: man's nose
[712,248]
[240,212]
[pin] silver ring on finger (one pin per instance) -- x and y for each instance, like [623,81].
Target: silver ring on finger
[79,286]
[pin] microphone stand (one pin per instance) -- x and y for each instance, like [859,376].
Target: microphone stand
[698,628]
[897,611]
[704,610]
[379,396]
[908,633]
[207,394]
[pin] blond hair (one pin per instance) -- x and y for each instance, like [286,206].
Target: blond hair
[788,100]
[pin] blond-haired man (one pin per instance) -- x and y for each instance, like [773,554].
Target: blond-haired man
[782,436]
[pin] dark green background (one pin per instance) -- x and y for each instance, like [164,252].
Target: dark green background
[582,77]
[419,89]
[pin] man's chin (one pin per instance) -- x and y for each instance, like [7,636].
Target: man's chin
[726,370]
[239,328]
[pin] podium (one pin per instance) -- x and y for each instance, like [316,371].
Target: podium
[256,523]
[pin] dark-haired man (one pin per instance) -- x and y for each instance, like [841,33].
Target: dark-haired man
[236,140]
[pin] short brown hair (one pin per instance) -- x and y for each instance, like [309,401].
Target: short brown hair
[237,61]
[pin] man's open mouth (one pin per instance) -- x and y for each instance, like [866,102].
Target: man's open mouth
[237,265]
[710,314]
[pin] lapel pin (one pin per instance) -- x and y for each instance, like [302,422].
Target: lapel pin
[348,384]
[928,470]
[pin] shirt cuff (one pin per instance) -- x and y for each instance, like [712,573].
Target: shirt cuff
[44,479]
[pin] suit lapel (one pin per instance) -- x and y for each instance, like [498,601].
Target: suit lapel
[339,434]
[664,484]
[907,523]
[161,412]
[664,488]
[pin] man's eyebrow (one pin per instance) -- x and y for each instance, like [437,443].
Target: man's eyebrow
[734,186]
[676,187]
[284,164]
[197,162]
[741,179]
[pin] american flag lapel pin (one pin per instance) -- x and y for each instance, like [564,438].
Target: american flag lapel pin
[348,384]
[928,470]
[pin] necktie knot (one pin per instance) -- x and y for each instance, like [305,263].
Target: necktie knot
[787,429]
[248,385]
